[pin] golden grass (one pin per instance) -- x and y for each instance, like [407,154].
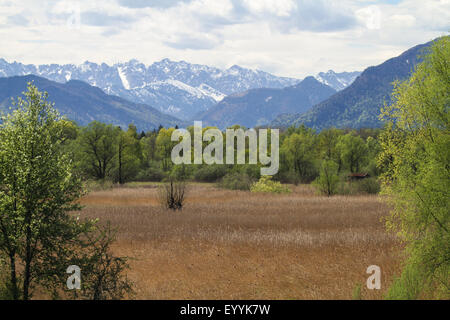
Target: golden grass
[239,245]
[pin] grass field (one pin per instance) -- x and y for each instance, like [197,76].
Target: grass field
[239,245]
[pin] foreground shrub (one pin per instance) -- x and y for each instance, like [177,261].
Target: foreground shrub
[103,273]
[236,181]
[409,285]
[356,294]
[266,184]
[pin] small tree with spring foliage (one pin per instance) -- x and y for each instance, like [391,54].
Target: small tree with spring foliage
[416,157]
[328,180]
[38,190]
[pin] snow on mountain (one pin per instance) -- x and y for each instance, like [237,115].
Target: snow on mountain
[123,78]
[177,88]
[337,81]
[213,93]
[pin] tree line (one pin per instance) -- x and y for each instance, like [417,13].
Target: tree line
[106,152]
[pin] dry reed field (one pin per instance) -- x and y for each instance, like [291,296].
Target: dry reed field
[240,245]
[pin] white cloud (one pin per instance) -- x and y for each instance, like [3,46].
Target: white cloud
[403,20]
[370,17]
[281,8]
[286,37]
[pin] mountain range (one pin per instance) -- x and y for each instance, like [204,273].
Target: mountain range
[84,103]
[358,105]
[177,88]
[259,106]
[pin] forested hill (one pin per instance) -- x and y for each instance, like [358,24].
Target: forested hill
[359,105]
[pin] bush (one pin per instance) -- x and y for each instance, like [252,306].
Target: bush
[266,184]
[408,286]
[328,180]
[365,186]
[99,185]
[103,276]
[251,170]
[210,173]
[288,177]
[181,172]
[236,181]
[153,174]
[172,195]
[370,186]
[356,294]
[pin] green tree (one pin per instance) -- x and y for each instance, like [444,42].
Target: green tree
[97,149]
[328,180]
[37,189]
[416,154]
[148,147]
[373,150]
[128,154]
[327,143]
[353,151]
[164,146]
[298,153]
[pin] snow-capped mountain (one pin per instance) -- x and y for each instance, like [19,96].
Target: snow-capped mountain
[338,81]
[177,88]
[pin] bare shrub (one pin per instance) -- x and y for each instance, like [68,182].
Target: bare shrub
[172,194]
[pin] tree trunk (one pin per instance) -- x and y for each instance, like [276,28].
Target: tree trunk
[27,269]
[14,289]
[120,166]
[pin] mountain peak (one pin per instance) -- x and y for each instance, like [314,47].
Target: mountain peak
[337,81]
[166,61]
[134,61]
[310,79]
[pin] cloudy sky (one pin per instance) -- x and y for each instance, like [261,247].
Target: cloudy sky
[285,37]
